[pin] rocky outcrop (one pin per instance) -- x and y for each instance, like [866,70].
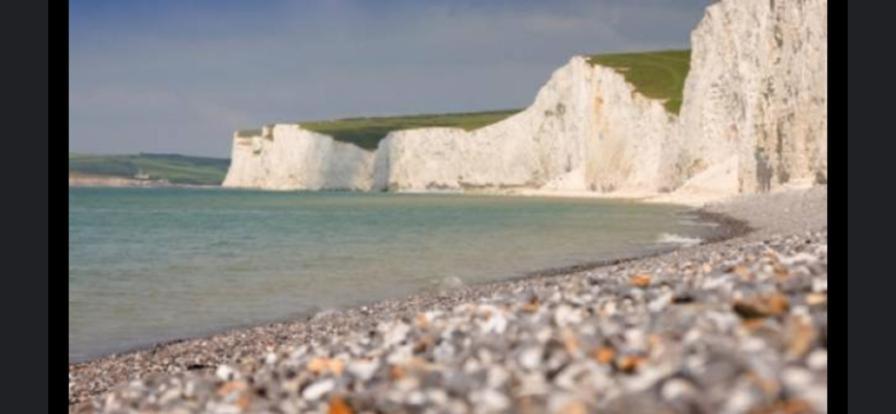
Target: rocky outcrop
[753,119]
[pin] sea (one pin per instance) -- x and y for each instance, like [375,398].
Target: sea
[148,265]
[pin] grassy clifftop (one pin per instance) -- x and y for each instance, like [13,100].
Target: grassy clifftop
[177,169]
[657,75]
[367,132]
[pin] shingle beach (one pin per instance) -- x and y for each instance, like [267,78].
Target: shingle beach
[731,326]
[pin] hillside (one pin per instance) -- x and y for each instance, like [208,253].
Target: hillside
[174,168]
[367,132]
[657,75]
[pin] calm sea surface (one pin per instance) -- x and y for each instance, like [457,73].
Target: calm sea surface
[152,264]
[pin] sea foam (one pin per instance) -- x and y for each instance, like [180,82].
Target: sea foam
[678,239]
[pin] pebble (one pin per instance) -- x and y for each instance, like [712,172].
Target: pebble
[363,369]
[566,315]
[225,373]
[797,378]
[318,389]
[818,360]
[489,400]
[677,388]
[497,376]
[270,358]
[395,333]
[495,324]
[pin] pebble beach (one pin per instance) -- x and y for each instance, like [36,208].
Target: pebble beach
[728,326]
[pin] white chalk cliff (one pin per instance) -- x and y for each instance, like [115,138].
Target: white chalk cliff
[287,157]
[753,118]
[755,99]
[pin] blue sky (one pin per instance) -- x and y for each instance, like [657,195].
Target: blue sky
[180,76]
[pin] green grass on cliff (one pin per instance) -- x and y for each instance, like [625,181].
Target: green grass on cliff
[367,132]
[657,75]
[178,169]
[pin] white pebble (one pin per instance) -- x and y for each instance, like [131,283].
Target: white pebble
[543,334]
[395,334]
[636,339]
[471,365]
[485,356]
[530,358]
[298,352]
[818,397]
[565,315]
[221,408]
[820,285]
[497,376]
[437,397]
[753,344]
[270,358]
[608,308]
[799,257]
[532,384]
[416,398]
[490,400]
[169,396]
[318,389]
[497,323]
[740,401]
[225,373]
[660,303]
[818,360]
[676,388]
[363,369]
[797,378]
[400,355]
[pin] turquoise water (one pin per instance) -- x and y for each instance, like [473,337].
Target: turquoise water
[152,264]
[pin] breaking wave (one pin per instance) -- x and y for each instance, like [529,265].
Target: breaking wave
[678,239]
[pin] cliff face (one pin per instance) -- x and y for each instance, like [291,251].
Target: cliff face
[753,119]
[588,130]
[756,96]
[584,131]
[287,157]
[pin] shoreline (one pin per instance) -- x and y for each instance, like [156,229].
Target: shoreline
[199,354]
[728,227]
